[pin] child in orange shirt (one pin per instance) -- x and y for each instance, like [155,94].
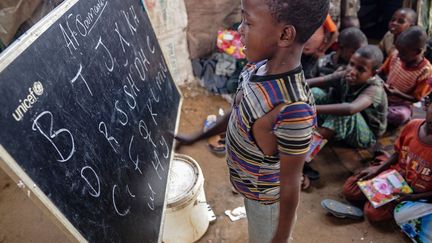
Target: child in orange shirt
[408,73]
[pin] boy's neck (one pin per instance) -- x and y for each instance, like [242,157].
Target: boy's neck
[284,61]
[415,63]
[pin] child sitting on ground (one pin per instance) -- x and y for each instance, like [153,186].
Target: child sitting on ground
[317,45]
[407,75]
[402,19]
[349,41]
[356,112]
[412,159]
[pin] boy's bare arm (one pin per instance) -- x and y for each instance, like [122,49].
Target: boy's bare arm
[372,171]
[324,81]
[346,109]
[415,196]
[221,126]
[398,93]
[290,177]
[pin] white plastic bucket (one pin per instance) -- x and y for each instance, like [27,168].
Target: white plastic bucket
[186,218]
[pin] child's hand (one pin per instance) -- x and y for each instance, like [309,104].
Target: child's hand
[368,173]
[388,89]
[405,197]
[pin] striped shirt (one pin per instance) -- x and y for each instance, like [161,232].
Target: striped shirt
[254,174]
[411,81]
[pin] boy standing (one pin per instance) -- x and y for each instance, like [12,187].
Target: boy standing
[408,72]
[356,110]
[273,116]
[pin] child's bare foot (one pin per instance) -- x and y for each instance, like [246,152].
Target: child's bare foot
[305,182]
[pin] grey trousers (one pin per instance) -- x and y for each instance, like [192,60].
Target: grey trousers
[262,220]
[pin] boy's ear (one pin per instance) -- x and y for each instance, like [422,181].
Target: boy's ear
[420,51]
[288,35]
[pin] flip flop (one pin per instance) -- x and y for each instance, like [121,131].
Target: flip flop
[217,144]
[310,172]
[342,210]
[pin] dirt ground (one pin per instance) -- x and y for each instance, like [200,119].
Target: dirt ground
[22,221]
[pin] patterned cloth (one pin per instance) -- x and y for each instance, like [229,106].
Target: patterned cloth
[415,220]
[254,174]
[353,130]
[342,8]
[375,115]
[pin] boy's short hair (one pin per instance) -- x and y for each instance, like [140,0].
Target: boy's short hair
[414,37]
[372,53]
[352,38]
[305,16]
[411,14]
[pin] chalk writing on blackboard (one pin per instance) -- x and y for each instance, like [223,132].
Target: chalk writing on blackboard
[89,122]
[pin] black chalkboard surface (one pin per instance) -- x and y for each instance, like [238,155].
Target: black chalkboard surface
[87,105]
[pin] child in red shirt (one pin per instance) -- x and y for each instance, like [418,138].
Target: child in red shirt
[412,159]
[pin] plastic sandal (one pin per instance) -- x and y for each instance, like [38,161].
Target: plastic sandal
[216,144]
[342,210]
[310,172]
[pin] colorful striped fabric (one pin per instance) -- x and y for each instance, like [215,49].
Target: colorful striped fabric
[412,81]
[254,174]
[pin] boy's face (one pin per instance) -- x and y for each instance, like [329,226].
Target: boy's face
[408,55]
[359,70]
[399,22]
[258,30]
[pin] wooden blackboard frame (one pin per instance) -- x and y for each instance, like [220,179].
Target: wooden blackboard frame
[9,164]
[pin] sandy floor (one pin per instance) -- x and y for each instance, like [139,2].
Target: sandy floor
[22,221]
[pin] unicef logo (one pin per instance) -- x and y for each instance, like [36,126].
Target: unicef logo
[38,88]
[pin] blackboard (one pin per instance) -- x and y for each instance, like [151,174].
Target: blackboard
[87,108]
